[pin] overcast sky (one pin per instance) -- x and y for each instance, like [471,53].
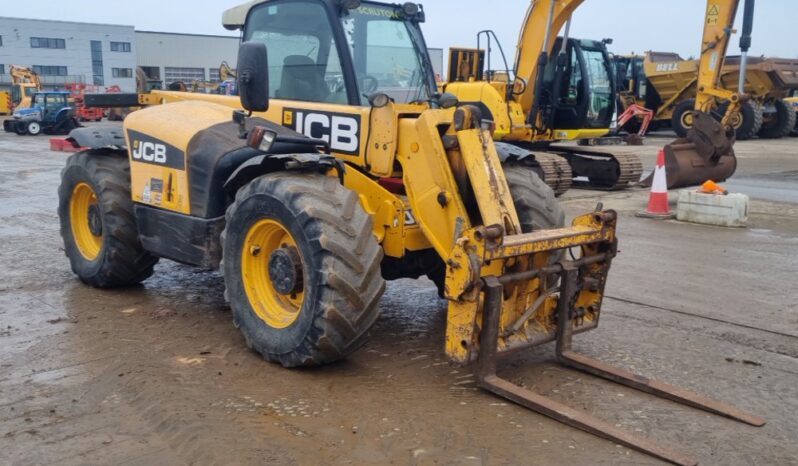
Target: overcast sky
[635,25]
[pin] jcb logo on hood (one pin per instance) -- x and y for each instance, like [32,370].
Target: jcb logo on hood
[149,152]
[146,149]
[340,130]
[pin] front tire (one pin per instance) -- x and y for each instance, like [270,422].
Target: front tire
[749,122]
[534,200]
[535,204]
[98,225]
[34,128]
[301,268]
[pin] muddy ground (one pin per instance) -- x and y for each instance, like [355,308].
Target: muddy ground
[158,374]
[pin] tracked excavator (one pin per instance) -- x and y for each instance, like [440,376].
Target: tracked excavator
[548,100]
[333,171]
[539,101]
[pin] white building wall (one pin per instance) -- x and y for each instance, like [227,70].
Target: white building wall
[436,56]
[76,56]
[162,50]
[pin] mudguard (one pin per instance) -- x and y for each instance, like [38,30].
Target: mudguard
[98,138]
[270,163]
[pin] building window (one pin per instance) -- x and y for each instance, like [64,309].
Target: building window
[2,69]
[213,74]
[120,46]
[47,70]
[98,75]
[186,75]
[47,43]
[1,41]
[122,72]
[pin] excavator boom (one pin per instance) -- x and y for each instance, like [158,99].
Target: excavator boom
[707,152]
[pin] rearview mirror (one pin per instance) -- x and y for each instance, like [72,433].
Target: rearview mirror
[253,76]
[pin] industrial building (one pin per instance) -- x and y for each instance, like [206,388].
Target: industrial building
[107,55]
[64,52]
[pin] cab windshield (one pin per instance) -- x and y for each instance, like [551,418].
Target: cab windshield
[388,53]
[307,62]
[600,104]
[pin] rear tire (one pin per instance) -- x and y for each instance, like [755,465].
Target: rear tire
[319,308]
[780,124]
[682,119]
[101,240]
[20,128]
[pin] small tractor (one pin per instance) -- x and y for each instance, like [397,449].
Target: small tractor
[334,171]
[50,112]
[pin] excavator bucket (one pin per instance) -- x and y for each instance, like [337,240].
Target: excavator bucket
[706,154]
[540,287]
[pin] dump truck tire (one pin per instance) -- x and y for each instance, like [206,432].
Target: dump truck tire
[781,124]
[301,268]
[98,224]
[750,122]
[792,122]
[681,121]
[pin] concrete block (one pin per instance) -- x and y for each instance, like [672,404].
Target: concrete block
[713,209]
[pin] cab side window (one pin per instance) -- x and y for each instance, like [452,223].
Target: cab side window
[303,59]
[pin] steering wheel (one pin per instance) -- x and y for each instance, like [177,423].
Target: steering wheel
[369,84]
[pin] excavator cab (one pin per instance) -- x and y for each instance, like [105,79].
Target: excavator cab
[21,94]
[580,91]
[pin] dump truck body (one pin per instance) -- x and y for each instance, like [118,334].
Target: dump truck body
[665,83]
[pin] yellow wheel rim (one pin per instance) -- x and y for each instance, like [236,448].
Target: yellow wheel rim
[687,120]
[737,121]
[84,216]
[278,308]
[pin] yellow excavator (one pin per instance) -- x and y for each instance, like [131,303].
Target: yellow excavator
[333,171]
[24,83]
[573,95]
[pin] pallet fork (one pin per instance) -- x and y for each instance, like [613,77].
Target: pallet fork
[568,322]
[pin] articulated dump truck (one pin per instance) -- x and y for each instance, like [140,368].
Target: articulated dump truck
[333,171]
[666,84]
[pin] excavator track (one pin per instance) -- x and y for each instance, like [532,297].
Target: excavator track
[551,168]
[554,171]
[601,170]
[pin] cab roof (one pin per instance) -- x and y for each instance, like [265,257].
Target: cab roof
[236,17]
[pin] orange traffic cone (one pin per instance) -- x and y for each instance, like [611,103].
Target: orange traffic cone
[658,199]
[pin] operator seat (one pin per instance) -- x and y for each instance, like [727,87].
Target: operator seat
[302,80]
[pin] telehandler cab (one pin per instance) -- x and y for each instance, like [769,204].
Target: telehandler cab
[343,170]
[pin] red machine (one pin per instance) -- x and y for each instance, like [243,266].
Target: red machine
[83,113]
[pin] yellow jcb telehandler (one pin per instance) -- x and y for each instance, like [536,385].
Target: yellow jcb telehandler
[345,169]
